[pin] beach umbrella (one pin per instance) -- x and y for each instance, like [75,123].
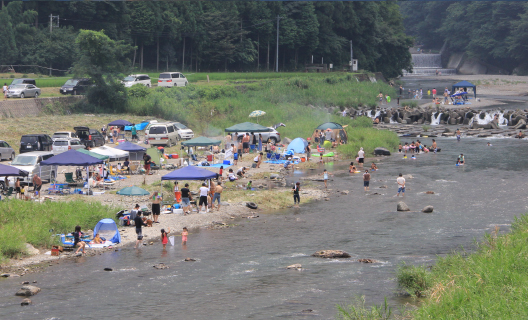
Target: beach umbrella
[257,114]
[133,191]
[119,123]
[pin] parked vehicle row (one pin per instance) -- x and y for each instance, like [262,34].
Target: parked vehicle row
[167,133]
[30,162]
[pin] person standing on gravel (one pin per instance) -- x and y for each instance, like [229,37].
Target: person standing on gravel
[361,157]
[134,133]
[37,185]
[186,199]
[203,197]
[217,193]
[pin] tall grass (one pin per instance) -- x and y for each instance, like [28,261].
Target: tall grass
[358,311]
[42,82]
[491,283]
[31,222]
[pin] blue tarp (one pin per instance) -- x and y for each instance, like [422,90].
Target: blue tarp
[139,126]
[71,158]
[190,173]
[11,171]
[129,146]
[298,145]
[119,123]
[105,227]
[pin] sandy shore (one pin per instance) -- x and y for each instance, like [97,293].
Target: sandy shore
[236,208]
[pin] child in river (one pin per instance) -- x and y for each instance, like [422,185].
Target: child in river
[373,167]
[165,238]
[184,235]
[400,148]
[352,168]
[325,178]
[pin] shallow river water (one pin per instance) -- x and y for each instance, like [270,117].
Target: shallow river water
[240,272]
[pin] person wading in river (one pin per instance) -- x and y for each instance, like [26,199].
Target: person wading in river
[401,185]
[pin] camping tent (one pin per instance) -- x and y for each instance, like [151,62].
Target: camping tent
[154,156]
[465,84]
[11,171]
[190,173]
[247,127]
[136,152]
[338,132]
[119,123]
[201,142]
[298,145]
[107,228]
[71,158]
[139,126]
[93,154]
[112,153]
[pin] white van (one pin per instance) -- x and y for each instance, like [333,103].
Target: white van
[61,145]
[183,131]
[172,79]
[133,79]
[161,134]
[30,162]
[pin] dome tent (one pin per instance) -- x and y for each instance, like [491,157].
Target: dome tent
[107,228]
[338,132]
[298,145]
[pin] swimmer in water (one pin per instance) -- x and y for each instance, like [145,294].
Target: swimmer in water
[458,134]
[489,144]
[413,157]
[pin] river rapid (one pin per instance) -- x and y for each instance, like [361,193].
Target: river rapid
[240,271]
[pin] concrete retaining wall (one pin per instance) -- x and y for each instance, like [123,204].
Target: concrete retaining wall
[18,108]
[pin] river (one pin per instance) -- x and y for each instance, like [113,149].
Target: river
[240,271]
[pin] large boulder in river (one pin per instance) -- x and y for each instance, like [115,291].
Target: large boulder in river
[27,291]
[402,206]
[331,254]
[521,124]
[382,152]
[428,209]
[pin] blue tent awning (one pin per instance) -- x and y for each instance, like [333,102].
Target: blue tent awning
[130,147]
[71,158]
[298,145]
[465,84]
[190,173]
[139,126]
[107,227]
[11,171]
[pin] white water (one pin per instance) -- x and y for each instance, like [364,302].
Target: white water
[489,116]
[436,120]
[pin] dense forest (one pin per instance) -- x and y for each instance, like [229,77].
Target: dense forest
[209,35]
[492,32]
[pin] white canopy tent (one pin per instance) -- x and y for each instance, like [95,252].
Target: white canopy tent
[113,153]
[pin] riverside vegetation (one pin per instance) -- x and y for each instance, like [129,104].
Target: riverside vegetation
[35,223]
[491,283]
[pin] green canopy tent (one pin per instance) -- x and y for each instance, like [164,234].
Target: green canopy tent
[201,142]
[338,133]
[93,154]
[133,191]
[247,127]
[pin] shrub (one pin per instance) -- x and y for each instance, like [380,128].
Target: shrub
[12,76]
[414,280]
[138,91]
[24,76]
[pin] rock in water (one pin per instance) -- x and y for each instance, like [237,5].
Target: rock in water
[367,260]
[161,266]
[189,259]
[345,192]
[402,206]
[297,266]
[26,302]
[27,291]
[331,254]
[428,209]
[107,269]
[429,192]
[381,152]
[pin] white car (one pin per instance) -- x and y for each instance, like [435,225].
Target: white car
[61,145]
[273,135]
[183,131]
[64,135]
[172,79]
[134,79]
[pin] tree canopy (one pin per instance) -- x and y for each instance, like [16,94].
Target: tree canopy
[210,36]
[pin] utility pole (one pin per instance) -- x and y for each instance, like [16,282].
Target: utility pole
[351,56]
[277,55]
[51,30]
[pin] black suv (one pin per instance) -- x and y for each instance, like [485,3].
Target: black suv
[76,86]
[89,137]
[35,142]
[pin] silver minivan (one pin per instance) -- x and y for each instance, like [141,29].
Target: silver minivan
[61,145]
[30,162]
[162,134]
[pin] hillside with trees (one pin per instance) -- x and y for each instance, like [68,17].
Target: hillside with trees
[208,36]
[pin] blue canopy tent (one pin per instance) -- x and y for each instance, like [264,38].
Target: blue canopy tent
[11,171]
[107,228]
[136,152]
[464,85]
[190,173]
[139,126]
[298,145]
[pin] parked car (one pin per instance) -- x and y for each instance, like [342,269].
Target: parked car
[35,142]
[89,137]
[30,162]
[23,90]
[161,134]
[76,86]
[273,135]
[183,131]
[23,81]
[61,145]
[64,135]
[6,152]
[134,79]
[172,79]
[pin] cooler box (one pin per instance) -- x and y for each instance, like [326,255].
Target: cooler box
[176,206]
[175,156]
[226,162]
[177,211]
[55,250]
[210,158]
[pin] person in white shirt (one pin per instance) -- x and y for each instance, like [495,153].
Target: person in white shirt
[204,191]
[401,185]
[4,90]
[361,157]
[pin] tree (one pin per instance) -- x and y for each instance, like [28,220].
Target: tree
[8,48]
